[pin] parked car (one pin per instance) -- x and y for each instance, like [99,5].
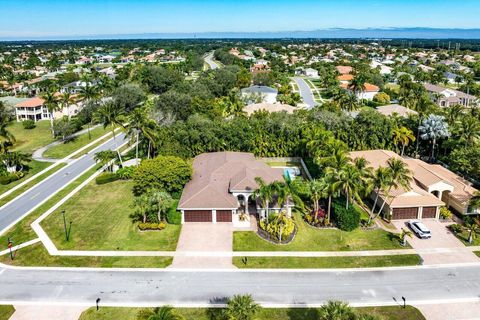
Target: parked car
[419,229]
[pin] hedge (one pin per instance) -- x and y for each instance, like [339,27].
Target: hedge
[8,178]
[345,219]
[151,226]
[106,177]
[174,216]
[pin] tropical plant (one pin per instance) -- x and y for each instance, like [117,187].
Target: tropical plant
[105,158]
[349,181]
[403,236]
[14,161]
[473,228]
[51,102]
[141,205]
[66,100]
[162,313]
[139,126]
[160,201]
[434,128]
[110,116]
[403,136]
[265,192]
[242,307]
[381,183]
[336,310]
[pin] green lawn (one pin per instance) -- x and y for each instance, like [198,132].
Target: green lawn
[35,167]
[311,239]
[22,232]
[101,221]
[327,262]
[64,149]
[477,253]
[37,255]
[463,236]
[6,312]
[385,313]
[33,139]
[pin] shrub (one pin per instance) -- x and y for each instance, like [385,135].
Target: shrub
[106,177]
[168,173]
[125,173]
[10,177]
[445,213]
[279,226]
[174,216]
[456,228]
[345,219]
[28,124]
[151,226]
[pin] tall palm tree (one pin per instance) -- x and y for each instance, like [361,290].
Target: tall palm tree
[473,228]
[265,193]
[89,94]
[434,128]
[104,158]
[6,137]
[330,190]
[381,182]
[51,102]
[399,177]
[110,116]
[316,190]
[66,100]
[403,136]
[470,130]
[453,113]
[349,181]
[162,313]
[139,125]
[242,307]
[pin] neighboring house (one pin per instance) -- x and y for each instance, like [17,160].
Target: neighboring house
[451,77]
[32,109]
[270,107]
[433,186]
[344,69]
[383,69]
[76,86]
[392,109]
[369,91]
[446,97]
[258,94]
[345,78]
[223,185]
[308,72]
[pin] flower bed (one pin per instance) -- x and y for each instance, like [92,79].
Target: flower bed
[151,226]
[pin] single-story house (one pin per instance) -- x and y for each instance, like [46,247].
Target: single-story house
[369,90]
[446,97]
[270,107]
[308,72]
[258,94]
[391,109]
[223,185]
[432,186]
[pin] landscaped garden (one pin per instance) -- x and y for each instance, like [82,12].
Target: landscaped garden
[101,220]
[469,233]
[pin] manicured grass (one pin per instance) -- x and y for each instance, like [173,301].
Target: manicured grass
[477,253]
[64,149]
[283,164]
[101,221]
[463,236]
[35,167]
[22,232]
[37,255]
[32,183]
[33,139]
[328,262]
[6,312]
[385,313]
[311,239]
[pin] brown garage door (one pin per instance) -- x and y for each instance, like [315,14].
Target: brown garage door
[405,213]
[429,212]
[224,215]
[198,216]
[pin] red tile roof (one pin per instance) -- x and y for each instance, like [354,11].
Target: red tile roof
[31,103]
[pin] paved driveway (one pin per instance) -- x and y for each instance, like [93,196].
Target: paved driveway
[208,238]
[305,92]
[431,249]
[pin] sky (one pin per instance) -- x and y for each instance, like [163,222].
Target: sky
[70,18]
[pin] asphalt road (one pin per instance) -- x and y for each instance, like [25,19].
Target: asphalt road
[418,285]
[210,62]
[305,92]
[13,211]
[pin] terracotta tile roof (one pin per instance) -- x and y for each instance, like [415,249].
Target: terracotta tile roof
[345,77]
[344,69]
[31,103]
[391,109]
[215,174]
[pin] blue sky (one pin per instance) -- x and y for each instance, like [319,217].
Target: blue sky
[44,18]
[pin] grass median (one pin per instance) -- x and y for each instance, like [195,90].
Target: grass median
[326,262]
[384,313]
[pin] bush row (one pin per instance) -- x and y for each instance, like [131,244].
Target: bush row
[10,177]
[151,226]
[121,174]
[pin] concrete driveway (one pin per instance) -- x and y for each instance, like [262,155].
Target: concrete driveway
[433,250]
[209,238]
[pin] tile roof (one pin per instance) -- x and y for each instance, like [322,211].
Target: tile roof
[30,103]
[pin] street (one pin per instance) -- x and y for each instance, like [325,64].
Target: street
[209,60]
[33,197]
[305,92]
[419,285]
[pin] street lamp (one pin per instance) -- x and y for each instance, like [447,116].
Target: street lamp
[97,303]
[67,231]
[404,302]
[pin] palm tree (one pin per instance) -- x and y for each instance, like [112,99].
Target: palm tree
[242,307]
[265,193]
[163,313]
[452,114]
[399,177]
[141,205]
[403,136]
[366,175]
[316,190]
[350,103]
[349,181]
[109,115]
[336,310]
[6,137]
[105,157]
[66,100]
[403,236]
[475,200]
[470,130]
[434,128]
[140,125]
[330,190]
[473,228]
[161,201]
[14,161]
[89,94]
[381,182]
[52,104]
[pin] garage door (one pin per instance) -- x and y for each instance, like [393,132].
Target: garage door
[429,212]
[198,216]
[405,213]
[224,215]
